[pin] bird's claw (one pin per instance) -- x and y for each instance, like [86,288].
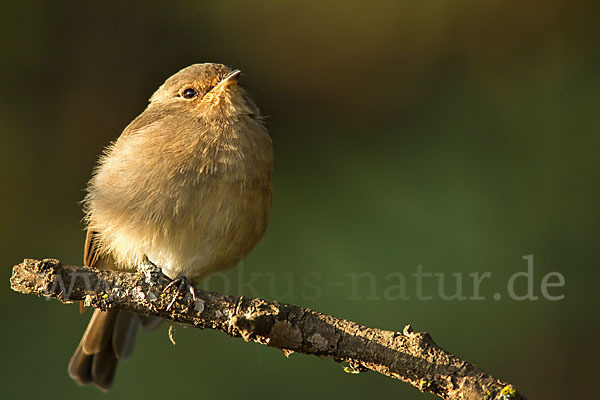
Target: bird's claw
[183,285]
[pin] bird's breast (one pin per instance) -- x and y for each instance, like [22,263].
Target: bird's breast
[192,209]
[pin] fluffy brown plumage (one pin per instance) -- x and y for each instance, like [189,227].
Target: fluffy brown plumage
[187,185]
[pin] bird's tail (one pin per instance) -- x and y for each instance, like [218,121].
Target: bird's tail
[109,338]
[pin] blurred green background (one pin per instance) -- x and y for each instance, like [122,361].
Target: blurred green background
[456,135]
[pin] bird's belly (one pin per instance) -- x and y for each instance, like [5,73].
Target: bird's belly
[210,230]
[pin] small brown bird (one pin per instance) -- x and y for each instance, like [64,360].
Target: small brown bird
[187,186]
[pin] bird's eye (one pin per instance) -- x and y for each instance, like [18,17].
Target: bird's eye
[189,93]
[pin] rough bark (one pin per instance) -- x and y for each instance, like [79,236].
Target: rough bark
[412,357]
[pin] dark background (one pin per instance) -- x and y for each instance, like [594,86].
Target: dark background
[456,135]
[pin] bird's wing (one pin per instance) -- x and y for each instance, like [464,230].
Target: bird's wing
[93,258]
[90,251]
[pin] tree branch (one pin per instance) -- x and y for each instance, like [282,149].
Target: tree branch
[409,356]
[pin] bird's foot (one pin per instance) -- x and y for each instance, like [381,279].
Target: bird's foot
[150,271]
[183,286]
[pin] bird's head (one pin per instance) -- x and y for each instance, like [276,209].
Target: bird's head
[208,90]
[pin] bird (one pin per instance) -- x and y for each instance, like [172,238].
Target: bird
[187,186]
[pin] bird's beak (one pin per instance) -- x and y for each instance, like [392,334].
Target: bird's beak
[229,80]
